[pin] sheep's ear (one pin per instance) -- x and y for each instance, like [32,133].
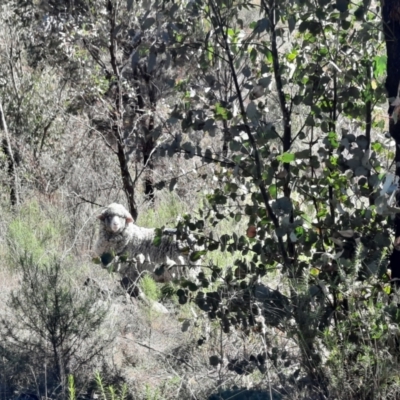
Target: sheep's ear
[129,218]
[101,216]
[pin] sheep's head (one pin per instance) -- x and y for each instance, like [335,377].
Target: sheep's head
[115,217]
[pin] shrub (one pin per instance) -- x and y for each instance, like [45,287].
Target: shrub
[150,288]
[54,328]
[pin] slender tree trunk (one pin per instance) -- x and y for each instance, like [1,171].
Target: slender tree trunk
[117,116]
[127,181]
[148,148]
[148,139]
[12,167]
[391,28]
[226,140]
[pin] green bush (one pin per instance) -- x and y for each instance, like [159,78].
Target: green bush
[150,288]
[55,328]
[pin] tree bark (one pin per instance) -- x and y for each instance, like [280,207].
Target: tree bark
[391,28]
[117,117]
[148,142]
[12,167]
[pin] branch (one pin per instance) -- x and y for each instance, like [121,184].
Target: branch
[95,55]
[287,134]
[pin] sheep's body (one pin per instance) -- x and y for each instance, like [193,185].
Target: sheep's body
[119,235]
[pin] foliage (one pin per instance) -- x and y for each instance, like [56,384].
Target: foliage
[361,349]
[151,394]
[35,233]
[318,199]
[52,321]
[110,392]
[150,288]
[282,109]
[106,392]
[71,388]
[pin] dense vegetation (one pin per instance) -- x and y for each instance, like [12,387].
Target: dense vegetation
[261,128]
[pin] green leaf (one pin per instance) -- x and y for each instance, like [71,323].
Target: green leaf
[253,55]
[380,66]
[333,140]
[377,147]
[286,158]
[210,53]
[273,190]
[157,241]
[221,113]
[387,289]
[268,57]
[196,255]
[292,55]
[231,32]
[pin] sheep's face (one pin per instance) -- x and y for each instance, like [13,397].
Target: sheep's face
[114,223]
[115,218]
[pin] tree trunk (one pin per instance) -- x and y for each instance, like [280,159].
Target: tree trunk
[117,116]
[148,148]
[148,142]
[391,28]
[127,181]
[12,167]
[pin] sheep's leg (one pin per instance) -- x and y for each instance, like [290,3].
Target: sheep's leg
[131,275]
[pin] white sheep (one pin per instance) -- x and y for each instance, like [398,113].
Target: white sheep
[121,236]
